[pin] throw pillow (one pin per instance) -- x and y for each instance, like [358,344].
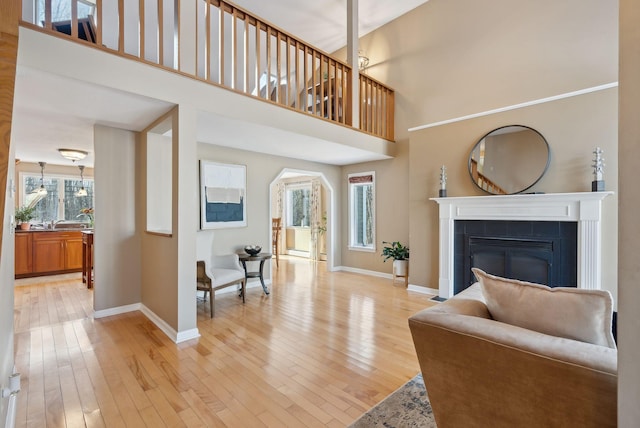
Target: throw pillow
[572,313]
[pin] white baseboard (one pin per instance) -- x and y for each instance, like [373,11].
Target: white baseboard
[422,290]
[411,287]
[116,311]
[176,336]
[364,272]
[297,253]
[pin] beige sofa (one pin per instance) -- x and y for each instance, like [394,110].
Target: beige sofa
[483,373]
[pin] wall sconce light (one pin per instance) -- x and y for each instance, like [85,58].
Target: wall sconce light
[41,190]
[363,61]
[73,154]
[82,191]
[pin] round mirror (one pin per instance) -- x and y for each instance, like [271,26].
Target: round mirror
[509,160]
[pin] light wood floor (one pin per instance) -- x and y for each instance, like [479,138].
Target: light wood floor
[319,351]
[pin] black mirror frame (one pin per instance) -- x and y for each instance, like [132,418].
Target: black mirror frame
[546,167]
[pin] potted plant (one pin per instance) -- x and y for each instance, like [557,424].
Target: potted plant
[23,215]
[400,255]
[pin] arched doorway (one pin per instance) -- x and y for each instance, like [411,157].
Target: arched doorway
[313,222]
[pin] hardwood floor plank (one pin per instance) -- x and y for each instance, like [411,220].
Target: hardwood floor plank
[164,408]
[319,351]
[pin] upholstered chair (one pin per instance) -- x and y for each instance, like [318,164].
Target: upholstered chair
[219,272]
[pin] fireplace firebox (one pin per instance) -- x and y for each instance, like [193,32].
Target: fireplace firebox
[541,252]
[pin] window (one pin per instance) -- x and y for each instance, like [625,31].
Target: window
[61,10]
[362,211]
[60,203]
[298,205]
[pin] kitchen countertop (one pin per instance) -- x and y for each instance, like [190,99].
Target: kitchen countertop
[59,229]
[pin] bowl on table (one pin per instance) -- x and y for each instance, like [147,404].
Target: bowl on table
[252,250]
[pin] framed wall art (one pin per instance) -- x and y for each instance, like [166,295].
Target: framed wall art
[223,195]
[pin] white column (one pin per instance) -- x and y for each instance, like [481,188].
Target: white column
[447,228]
[590,245]
[352,60]
[185,166]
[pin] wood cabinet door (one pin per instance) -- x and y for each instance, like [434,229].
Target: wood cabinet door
[23,260]
[48,255]
[73,253]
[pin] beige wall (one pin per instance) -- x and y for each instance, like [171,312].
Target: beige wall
[629,196]
[117,237]
[262,170]
[448,59]
[573,127]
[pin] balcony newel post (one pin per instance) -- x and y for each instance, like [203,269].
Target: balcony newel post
[352,59]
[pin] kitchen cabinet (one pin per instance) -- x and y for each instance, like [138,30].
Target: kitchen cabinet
[50,252]
[23,254]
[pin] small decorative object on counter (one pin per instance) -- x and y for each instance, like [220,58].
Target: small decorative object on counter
[443,182]
[597,185]
[252,250]
[88,213]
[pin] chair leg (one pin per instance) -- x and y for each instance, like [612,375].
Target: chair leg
[213,293]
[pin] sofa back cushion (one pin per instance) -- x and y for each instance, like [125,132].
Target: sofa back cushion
[572,313]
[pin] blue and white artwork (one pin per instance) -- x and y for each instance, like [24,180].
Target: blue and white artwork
[222,195]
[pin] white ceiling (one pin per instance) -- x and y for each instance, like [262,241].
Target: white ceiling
[51,112]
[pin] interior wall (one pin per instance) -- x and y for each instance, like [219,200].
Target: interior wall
[629,227]
[573,127]
[159,251]
[447,59]
[186,216]
[116,236]
[261,171]
[7,272]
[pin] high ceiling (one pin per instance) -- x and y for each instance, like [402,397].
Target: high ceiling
[327,29]
[49,111]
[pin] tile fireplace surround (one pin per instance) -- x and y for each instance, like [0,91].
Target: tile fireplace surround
[584,208]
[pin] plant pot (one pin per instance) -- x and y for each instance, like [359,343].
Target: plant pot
[25,226]
[400,267]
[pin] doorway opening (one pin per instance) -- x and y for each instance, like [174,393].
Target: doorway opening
[304,201]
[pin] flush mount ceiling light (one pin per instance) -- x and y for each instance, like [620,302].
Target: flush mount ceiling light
[82,191]
[73,154]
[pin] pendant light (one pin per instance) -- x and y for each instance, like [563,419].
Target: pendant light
[42,191]
[82,191]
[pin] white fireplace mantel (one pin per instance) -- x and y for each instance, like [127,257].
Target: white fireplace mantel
[584,208]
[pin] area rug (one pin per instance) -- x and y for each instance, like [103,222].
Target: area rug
[407,407]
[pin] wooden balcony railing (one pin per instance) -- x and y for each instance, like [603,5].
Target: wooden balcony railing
[484,182]
[233,49]
[376,108]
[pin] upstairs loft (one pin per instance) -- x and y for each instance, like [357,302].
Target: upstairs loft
[217,52]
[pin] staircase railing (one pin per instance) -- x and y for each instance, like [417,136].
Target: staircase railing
[222,44]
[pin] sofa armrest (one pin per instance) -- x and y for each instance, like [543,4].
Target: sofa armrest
[470,302]
[477,369]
